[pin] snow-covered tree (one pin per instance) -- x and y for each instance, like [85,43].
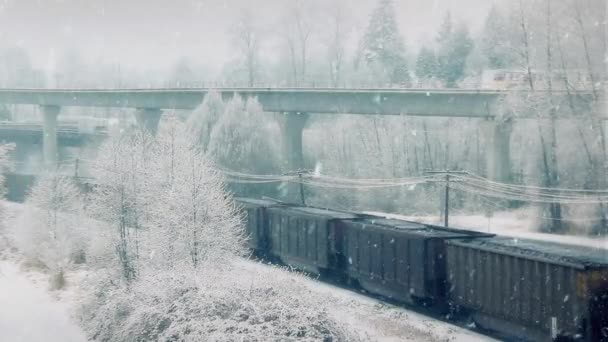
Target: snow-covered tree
[426,65]
[50,228]
[122,196]
[382,46]
[204,118]
[496,41]
[454,46]
[246,36]
[336,39]
[188,286]
[5,165]
[193,220]
[297,32]
[16,70]
[245,140]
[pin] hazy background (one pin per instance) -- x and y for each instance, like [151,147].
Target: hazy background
[156,33]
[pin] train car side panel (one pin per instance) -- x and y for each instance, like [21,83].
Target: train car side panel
[529,289]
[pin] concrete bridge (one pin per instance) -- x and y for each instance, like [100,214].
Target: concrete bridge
[32,133]
[296,104]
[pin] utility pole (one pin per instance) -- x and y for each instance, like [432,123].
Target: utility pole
[301,189]
[446,202]
[76,168]
[300,174]
[446,205]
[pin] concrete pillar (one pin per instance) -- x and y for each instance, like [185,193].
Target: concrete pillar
[497,140]
[49,135]
[148,118]
[292,126]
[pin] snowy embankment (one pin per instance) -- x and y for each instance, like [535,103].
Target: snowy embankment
[30,312]
[515,224]
[380,321]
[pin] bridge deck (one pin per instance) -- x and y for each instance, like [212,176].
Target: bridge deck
[415,102]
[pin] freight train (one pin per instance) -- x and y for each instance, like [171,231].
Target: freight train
[524,289]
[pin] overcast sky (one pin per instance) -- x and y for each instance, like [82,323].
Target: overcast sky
[155,33]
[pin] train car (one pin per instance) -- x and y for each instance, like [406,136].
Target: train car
[256,222]
[307,238]
[529,289]
[398,259]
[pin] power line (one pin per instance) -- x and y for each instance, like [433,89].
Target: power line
[466,182]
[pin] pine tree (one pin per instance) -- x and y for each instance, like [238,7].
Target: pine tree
[426,64]
[495,40]
[446,29]
[382,45]
[455,45]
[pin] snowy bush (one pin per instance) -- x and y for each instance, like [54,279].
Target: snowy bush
[249,303]
[49,229]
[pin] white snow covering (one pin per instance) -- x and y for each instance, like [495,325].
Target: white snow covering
[28,312]
[506,223]
[376,320]
[388,323]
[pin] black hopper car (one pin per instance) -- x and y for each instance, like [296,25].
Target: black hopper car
[523,289]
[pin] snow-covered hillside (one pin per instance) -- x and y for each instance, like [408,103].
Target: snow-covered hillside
[29,313]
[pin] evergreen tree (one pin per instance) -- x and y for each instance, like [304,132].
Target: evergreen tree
[455,44]
[382,45]
[495,42]
[426,64]
[445,31]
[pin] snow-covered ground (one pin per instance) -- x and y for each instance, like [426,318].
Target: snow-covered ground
[380,321]
[515,223]
[29,313]
[388,323]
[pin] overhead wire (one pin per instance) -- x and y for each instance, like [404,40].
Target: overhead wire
[526,193]
[529,187]
[497,206]
[489,192]
[463,181]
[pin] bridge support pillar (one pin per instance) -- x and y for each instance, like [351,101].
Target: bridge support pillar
[497,140]
[292,127]
[148,118]
[49,135]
